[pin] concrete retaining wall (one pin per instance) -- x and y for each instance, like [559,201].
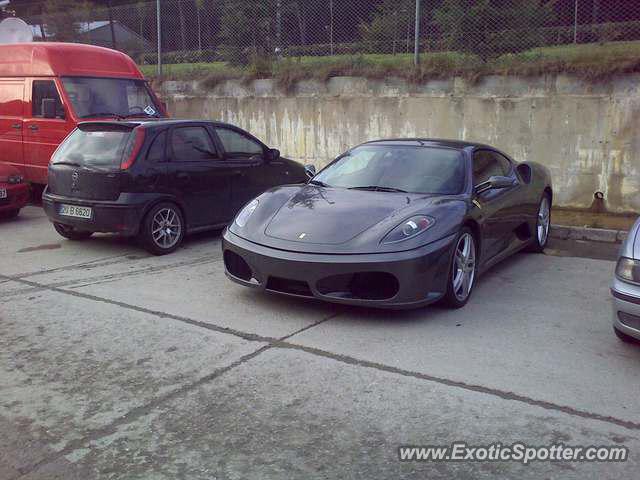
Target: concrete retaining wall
[588,134]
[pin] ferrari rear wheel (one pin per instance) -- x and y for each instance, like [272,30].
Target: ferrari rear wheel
[543,225]
[463,271]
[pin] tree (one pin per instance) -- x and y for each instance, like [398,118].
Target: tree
[390,26]
[62,18]
[247,30]
[489,28]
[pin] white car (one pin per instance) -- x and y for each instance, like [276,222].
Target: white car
[626,288]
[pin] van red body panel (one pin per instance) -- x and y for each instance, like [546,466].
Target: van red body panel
[27,141]
[64,59]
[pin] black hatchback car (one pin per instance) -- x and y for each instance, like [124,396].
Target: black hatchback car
[158,179]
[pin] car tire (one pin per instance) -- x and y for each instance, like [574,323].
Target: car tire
[162,229]
[624,337]
[464,265]
[13,214]
[543,226]
[72,233]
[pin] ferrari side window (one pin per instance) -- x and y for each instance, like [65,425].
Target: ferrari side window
[485,166]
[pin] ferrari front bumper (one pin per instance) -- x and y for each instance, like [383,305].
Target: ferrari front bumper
[407,279]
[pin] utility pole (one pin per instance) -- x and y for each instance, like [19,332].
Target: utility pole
[159,28]
[416,46]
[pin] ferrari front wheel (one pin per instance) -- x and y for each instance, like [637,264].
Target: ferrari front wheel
[463,270]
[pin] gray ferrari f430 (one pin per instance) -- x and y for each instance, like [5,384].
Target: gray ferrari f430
[392,224]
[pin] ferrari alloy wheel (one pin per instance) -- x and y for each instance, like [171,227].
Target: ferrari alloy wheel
[543,225]
[163,229]
[463,270]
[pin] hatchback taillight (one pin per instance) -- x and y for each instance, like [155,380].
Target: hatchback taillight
[132,149]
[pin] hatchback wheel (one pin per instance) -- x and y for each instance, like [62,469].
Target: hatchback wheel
[463,271]
[162,230]
[71,233]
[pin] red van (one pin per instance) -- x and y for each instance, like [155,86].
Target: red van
[46,89]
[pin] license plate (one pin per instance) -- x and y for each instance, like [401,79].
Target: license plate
[3,193]
[75,211]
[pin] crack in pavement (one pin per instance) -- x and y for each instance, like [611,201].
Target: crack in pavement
[138,412]
[98,279]
[283,343]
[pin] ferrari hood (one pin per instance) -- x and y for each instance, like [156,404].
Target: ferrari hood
[333,216]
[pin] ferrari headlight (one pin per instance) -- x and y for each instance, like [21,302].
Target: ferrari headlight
[409,228]
[245,213]
[628,270]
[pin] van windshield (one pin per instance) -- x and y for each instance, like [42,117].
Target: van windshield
[102,149]
[110,97]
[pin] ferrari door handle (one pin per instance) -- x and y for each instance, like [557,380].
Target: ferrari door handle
[33,127]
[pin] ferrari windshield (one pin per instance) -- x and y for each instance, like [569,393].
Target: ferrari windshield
[110,97]
[397,168]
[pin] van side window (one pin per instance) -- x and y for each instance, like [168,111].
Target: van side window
[156,151]
[42,90]
[11,96]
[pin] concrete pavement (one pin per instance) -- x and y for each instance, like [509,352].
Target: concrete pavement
[116,364]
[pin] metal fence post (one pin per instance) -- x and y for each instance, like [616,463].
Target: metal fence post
[159,26]
[575,23]
[416,46]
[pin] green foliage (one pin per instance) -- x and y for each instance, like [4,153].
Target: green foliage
[62,17]
[488,29]
[247,29]
[390,26]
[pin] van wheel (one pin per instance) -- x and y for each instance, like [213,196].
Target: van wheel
[162,229]
[13,214]
[71,233]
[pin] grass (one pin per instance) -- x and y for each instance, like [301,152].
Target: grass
[596,61]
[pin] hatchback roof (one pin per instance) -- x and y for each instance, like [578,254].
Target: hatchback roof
[44,59]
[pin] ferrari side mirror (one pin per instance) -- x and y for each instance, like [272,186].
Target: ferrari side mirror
[310,170]
[494,183]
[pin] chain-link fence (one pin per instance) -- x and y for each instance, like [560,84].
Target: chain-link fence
[239,32]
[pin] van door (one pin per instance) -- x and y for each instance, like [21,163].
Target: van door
[11,116]
[43,135]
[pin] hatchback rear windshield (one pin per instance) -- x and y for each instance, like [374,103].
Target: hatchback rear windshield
[93,148]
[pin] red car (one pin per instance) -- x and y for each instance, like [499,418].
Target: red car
[14,192]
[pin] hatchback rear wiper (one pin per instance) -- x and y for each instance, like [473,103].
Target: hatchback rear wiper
[73,164]
[104,114]
[378,188]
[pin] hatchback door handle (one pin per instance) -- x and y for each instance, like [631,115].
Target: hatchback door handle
[33,127]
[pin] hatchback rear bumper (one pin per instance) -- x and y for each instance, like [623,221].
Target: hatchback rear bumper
[122,216]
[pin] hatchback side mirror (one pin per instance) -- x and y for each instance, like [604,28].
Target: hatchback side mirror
[494,183]
[310,170]
[48,108]
[272,155]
